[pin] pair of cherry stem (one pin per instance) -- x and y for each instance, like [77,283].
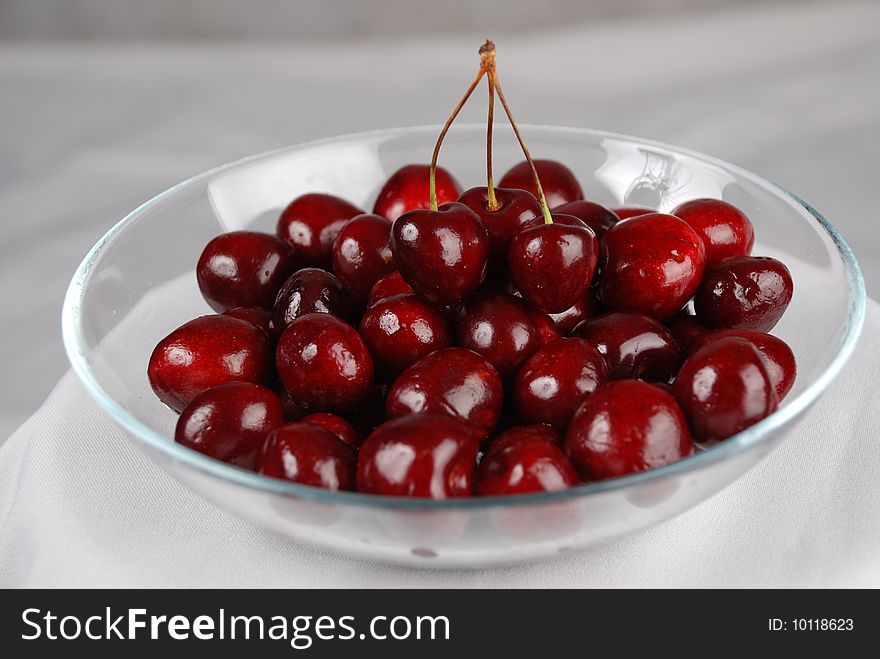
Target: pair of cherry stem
[487,68]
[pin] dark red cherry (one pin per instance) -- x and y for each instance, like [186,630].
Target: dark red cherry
[311,290]
[724,388]
[323,363]
[430,456]
[725,230]
[400,330]
[499,327]
[558,181]
[685,330]
[341,428]
[594,215]
[555,380]
[311,223]
[293,411]
[530,432]
[744,292]
[455,382]
[388,286]
[778,358]
[624,427]
[650,263]
[519,463]
[243,269]
[544,325]
[310,455]
[587,306]
[370,414]
[259,318]
[552,265]
[230,422]
[634,345]
[362,254]
[517,208]
[408,189]
[626,212]
[442,254]
[207,352]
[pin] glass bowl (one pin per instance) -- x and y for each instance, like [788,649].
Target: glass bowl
[138,283]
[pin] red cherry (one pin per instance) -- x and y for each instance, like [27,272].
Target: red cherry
[499,327]
[587,306]
[230,422]
[341,428]
[388,286]
[627,212]
[311,223]
[310,290]
[634,345]
[725,230]
[259,318]
[408,189]
[624,427]
[308,454]
[323,363]
[544,326]
[685,330]
[293,411]
[517,208]
[552,265]
[558,181]
[243,269]
[744,292]
[533,431]
[442,254]
[207,352]
[555,381]
[724,388]
[519,463]
[779,360]
[400,330]
[455,382]
[430,456]
[362,254]
[651,263]
[595,216]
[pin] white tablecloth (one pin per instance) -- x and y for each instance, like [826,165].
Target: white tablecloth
[80,505]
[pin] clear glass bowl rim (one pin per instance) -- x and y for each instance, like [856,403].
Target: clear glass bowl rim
[74,344]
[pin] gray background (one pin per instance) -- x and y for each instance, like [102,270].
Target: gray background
[104,104]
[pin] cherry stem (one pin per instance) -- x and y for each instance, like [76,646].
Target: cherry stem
[488,54]
[548,219]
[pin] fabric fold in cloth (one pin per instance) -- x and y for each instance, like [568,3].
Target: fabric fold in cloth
[81,506]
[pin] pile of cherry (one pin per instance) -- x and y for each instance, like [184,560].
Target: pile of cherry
[469,350]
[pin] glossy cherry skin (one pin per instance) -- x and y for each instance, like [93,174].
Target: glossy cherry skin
[311,223]
[724,388]
[519,463]
[534,431]
[499,327]
[442,254]
[311,290]
[517,208]
[544,325]
[408,189]
[454,382]
[207,352]
[624,427]
[779,360]
[324,363]
[634,345]
[587,306]
[429,456]
[725,230]
[555,381]
[230,422]
[259,318]
[362,255]
[558,181]
[342,429]
[651,263]
[402,329]
[552,265]
[388,286]
[626,212]
[744,292]
[685,330]
[594,215]
[243,269]
[310,455]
